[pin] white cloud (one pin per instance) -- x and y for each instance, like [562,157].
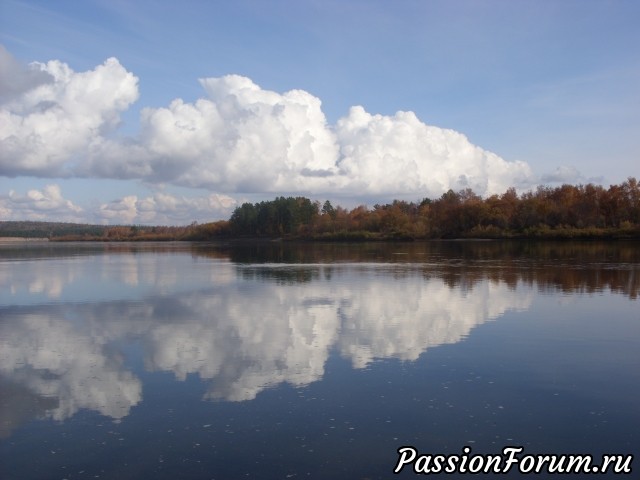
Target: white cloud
[163,208]
[249,140]
[401,154]
[16,78]
[47,129]
[123,211]
[157,209]
[45,204]
[241,138]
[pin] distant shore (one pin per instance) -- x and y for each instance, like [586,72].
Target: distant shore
[23,239]
[556,213]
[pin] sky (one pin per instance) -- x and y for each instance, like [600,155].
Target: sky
[166,112]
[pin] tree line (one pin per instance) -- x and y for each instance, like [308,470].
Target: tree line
[564,211]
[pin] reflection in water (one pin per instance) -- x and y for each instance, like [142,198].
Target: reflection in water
[69,352]
[55,359]
[580,267]
[246,326]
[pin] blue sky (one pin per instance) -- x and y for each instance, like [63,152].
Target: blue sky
[302,98]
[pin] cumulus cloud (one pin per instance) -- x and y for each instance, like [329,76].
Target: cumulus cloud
[16,79]
[46,128]
[400,154]
[44,204]
[240,138]
[246,139]
[158,209]
[163,208]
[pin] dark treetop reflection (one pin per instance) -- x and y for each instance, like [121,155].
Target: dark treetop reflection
[84,327]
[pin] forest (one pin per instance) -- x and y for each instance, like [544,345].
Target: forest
[567,211]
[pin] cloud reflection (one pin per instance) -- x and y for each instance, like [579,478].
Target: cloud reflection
[243,326]
[240,337]
[54,359]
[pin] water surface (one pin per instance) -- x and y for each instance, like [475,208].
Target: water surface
[311,361]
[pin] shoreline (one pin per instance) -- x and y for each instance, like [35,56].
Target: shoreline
[24,239]
[338,238]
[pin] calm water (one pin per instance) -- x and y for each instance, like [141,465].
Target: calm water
[169,361]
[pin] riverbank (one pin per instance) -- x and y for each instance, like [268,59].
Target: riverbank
[22,240]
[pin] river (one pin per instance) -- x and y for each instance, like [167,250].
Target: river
[278,360]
